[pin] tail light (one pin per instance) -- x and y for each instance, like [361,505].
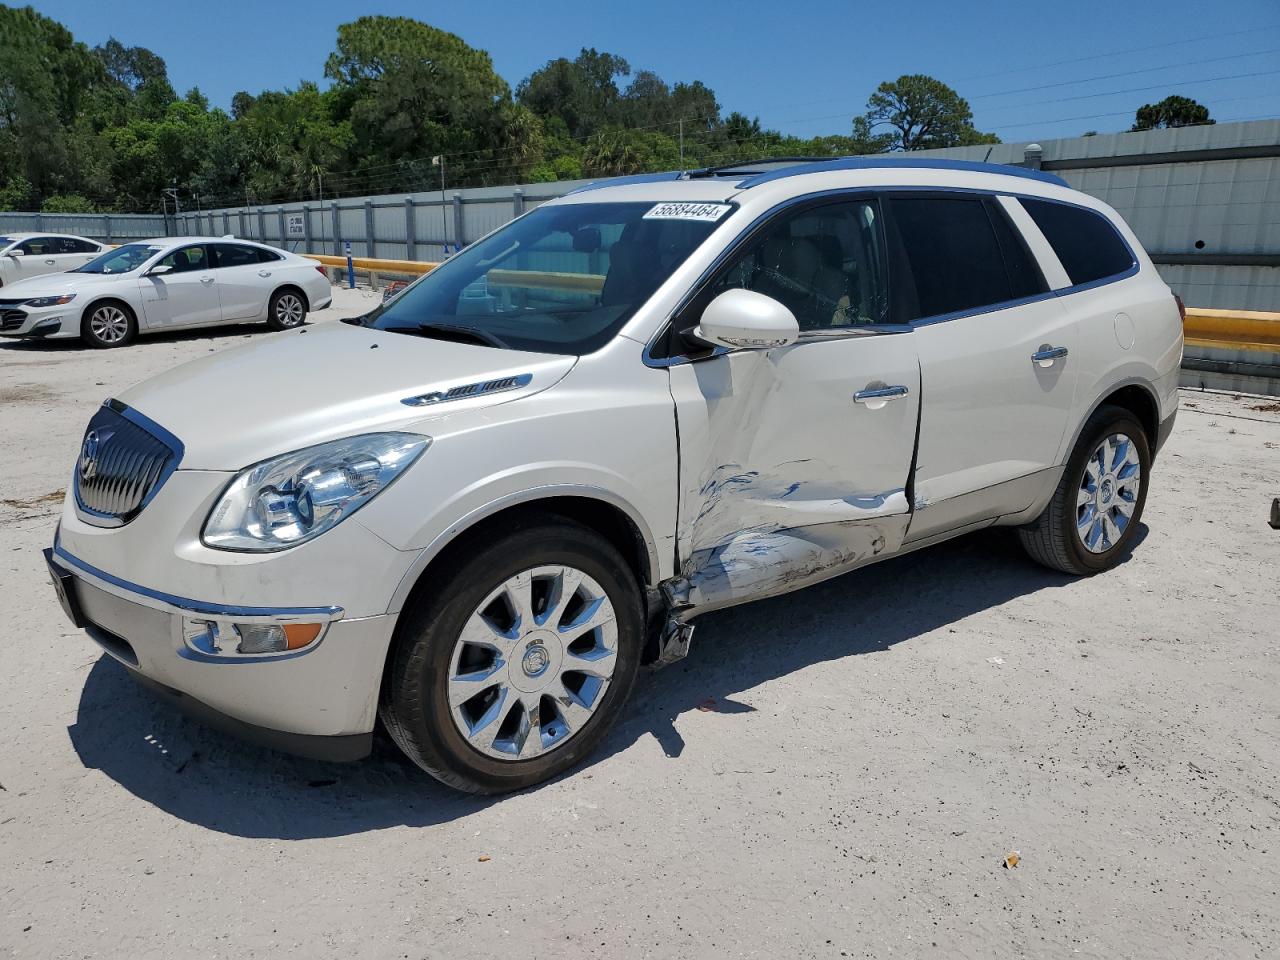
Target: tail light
[1182,307]
[320,270]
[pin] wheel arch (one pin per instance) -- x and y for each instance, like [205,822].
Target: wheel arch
[1135,395]
[296,288]
[594,507]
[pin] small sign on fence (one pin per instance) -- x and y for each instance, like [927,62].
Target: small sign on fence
[294,225]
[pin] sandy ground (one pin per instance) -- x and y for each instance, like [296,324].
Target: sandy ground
[840,772]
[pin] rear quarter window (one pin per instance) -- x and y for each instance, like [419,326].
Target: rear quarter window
[1086,242]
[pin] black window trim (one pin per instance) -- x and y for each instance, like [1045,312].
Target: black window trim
[889,230]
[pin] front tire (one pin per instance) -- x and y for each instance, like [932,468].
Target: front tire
[512,667]
[287,310]
[1093,516]
[108,324]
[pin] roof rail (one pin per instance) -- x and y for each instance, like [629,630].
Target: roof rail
[744,166]
[626,181]
[910,163]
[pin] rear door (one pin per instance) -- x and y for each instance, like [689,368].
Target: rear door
[185,296]
[244,279]
[73,252]
[794,461]
[995,362]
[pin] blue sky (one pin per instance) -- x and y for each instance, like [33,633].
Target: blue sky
[1029,70]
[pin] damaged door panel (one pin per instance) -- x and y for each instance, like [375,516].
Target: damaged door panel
[785,478]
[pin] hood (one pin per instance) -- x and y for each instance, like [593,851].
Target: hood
[290,390]
[54,284]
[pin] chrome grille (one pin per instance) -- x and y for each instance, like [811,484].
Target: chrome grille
[123,463]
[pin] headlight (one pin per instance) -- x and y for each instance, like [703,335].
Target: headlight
[294,498]
[51,301]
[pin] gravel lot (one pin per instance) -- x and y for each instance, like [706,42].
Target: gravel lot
[838,772]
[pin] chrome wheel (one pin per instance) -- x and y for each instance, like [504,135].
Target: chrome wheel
[289,310]
[1108,493]
[533,663]
[109,324]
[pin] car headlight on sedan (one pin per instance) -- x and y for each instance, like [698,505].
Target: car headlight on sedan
[50,301]
[293,498]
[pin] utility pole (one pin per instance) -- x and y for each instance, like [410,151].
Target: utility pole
[682,143]
[438,161]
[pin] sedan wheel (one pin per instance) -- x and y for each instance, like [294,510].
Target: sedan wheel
[286,310]
[533,663]
[108,325]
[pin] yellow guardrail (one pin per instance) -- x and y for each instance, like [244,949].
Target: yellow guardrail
[1255,330]
[528,279]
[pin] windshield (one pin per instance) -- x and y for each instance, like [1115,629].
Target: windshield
[121,260]
[562,279]
[5,241]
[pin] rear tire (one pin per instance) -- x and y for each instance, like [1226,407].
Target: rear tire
[551,659]
[108,324]
[1094,514]
[287,310]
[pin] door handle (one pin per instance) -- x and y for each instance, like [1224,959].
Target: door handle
[206,279]
[1046,355]
[882,394]
[51,260]
[264,273]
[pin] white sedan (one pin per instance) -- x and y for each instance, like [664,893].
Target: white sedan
[24,255]
[166,284]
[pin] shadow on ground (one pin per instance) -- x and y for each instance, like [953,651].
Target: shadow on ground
[213,780]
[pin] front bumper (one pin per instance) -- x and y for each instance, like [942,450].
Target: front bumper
[51,322]
[320,701]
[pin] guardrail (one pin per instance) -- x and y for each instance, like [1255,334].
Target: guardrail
[1256,331]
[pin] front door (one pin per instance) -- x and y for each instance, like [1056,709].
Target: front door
[794,461]
[187,295]
[994,350]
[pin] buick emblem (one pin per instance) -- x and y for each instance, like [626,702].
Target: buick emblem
[89,456]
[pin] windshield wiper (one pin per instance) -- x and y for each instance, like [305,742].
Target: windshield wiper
[449,331]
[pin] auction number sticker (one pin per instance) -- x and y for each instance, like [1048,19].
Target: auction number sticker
[708,212]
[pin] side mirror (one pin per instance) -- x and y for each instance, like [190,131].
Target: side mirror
[15,252]
[746,320]
[159,270]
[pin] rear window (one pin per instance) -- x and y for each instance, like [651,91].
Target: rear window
[1088,245]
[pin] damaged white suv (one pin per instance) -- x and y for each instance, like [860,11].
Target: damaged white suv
[476,511]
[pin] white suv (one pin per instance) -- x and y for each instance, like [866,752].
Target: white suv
[477,511]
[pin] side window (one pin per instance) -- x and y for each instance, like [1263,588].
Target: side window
[1086,242]
[185,259]
[956,258]
[826,264]
[234,255]
[75,245]
[267,256]
[38,247]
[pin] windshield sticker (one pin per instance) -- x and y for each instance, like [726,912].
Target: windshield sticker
[707,212]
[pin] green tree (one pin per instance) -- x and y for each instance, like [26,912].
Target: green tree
[68,203]
[1172,111]
[410,91]
[46,77]
[292,143]
[582,92]
[136,84]
[922,114]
